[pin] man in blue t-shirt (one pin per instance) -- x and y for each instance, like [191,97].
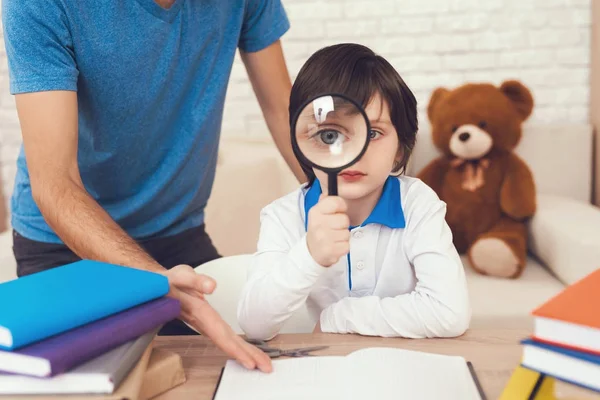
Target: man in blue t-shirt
[120,105]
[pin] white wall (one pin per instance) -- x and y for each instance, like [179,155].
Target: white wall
[545,43]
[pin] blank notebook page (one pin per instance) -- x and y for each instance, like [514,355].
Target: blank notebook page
[384,373]
[316,378]
[374,373]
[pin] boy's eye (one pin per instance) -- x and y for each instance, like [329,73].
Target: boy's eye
[374,135]
[326,138]
[329,136]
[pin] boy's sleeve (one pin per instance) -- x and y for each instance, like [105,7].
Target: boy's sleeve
[39,46]
[265,21]
[438,306]
[280,278]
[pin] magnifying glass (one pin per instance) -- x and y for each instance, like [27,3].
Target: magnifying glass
[331,133]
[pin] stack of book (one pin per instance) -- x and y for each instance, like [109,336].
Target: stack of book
[566,340]
[82,328]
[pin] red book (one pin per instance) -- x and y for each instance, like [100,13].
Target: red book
[571,319]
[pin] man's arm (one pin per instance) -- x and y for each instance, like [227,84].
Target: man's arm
[49,126]
[50,137]
[272,85]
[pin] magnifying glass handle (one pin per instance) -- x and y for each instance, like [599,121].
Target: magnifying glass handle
[332,184]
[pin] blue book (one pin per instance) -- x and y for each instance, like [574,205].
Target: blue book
[568,365]
[47,303]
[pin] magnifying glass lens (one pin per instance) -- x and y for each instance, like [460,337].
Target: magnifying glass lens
[331,132]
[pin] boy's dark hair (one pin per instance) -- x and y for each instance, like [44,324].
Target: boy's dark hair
[357,72]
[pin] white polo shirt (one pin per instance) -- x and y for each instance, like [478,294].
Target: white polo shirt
[403,276]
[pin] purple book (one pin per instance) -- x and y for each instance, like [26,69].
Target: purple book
[62,352]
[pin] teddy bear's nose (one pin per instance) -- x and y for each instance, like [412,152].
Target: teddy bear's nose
[463,137]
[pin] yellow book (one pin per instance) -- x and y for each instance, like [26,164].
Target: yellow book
[524,382]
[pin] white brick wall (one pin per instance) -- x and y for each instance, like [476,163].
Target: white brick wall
[545,43]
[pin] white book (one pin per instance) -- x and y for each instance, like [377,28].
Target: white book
[576,367]
[371,373]
[101,375]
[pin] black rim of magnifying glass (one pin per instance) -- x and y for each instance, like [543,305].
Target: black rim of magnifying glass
[297,148]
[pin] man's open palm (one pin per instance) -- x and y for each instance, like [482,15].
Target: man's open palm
[189,288]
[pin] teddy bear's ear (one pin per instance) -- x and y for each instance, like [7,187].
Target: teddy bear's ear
[520,96]
[438,94]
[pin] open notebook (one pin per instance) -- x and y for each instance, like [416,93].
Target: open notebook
[371,373]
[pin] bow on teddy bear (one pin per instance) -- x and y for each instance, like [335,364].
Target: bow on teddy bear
[488,189]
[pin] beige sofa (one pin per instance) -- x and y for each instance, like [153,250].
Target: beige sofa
[565,233]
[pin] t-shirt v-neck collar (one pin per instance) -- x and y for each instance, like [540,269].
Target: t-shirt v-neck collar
[166,14]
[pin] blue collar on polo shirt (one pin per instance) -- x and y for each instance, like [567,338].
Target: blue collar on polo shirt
[388,210]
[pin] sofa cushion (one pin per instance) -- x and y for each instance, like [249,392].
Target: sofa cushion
[565,236]
[497,297]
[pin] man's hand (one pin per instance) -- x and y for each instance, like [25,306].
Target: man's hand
[328,236]
[318,328]
[189,288]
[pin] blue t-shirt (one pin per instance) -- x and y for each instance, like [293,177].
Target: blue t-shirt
[150,84]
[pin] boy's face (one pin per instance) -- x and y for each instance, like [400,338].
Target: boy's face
[368,175]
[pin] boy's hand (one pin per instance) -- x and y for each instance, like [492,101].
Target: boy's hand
[328,236]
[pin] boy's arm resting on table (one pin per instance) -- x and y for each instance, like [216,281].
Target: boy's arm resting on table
[438,306]
[279,281]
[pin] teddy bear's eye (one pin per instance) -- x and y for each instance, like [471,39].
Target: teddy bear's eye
[454,128]
[482,124]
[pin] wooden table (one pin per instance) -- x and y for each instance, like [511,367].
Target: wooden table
[492,347]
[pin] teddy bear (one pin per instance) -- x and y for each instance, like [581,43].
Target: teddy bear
[488,190]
